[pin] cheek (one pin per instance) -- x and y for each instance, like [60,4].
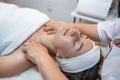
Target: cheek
[65,47]
[68,52]
[87,46]
[64,51]
[60,43]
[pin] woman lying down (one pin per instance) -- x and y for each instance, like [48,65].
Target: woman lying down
[21,27]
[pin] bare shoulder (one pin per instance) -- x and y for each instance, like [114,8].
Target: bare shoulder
[14,63]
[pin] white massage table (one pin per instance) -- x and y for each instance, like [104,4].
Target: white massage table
[30,74]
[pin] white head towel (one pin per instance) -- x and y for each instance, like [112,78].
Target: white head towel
[16,25]
[80,63]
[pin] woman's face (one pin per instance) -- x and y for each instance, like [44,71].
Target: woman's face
[70,42]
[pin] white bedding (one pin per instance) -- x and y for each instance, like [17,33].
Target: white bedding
[16,25]
[30,74]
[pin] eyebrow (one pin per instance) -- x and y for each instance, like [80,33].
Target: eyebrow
[80,47]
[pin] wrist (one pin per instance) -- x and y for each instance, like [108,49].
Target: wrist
[42,59]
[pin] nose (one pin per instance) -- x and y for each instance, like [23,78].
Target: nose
[73,32]
[76,33]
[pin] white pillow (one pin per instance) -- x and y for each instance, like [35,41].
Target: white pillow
[94,8]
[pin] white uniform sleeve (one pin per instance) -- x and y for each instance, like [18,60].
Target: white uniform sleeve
[108,31]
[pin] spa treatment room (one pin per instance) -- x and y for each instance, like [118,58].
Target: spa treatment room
[59,39]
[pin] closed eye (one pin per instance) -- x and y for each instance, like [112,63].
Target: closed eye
[80,47]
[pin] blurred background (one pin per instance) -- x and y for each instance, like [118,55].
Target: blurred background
[59,9]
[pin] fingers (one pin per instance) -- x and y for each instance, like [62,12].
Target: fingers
[51,26]
[24,49]
[51,32]
[31,42]
[48,28]
[27,45]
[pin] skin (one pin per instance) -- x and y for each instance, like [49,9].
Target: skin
[88,29]
[45,69]
[71,43]
[40,56]
[117,42]
[14,64]
[18,58]
[9,64]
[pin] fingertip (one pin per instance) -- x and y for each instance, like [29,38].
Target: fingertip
[45,30]
[23,49]
[51,32]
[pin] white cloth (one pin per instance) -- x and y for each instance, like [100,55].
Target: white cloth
[16,25]
[94,8]
[30,74]
[108,32]
[82,62]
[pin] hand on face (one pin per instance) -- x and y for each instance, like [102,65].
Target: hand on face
[71,42]
[34,51]
[53,26]
[68,41]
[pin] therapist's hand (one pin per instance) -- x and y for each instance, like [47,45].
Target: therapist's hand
[53,26]
[34,51]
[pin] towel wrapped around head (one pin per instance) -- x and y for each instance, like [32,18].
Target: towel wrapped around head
[16,25]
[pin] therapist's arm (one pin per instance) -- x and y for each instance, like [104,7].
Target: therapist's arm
[88,29]
[13,64]
[49,69]
[39,55]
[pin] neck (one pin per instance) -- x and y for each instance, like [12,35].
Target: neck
[47,40]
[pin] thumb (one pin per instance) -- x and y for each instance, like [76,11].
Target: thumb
[46,29]
[24,49]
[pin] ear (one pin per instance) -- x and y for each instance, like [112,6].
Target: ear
[58,54]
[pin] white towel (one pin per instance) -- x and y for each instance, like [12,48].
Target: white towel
[94,8]
[16,25]
[30,74]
